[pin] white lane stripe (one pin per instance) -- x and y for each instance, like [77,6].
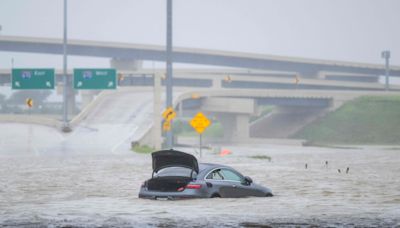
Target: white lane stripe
[115,147]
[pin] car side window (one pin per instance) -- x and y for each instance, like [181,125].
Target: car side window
[230,175]
[215,175]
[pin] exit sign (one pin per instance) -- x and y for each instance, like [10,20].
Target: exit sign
[95,79]
[29,78]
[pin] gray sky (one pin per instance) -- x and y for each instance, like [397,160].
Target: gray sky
[349,30]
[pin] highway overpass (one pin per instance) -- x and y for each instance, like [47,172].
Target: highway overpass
[126,51]
[257,79]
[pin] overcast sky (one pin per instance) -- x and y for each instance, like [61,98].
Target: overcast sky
[349,30]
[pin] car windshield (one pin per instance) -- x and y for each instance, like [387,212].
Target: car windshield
[175,171]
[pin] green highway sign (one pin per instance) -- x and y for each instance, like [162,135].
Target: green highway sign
[95,79]
[28,78]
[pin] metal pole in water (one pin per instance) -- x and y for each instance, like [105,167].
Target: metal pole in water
[65,89]
[200,145]
[168,81]
[157,111]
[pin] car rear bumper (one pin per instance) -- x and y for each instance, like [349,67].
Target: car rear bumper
[186,194]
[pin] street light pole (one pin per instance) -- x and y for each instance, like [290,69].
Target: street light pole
[386,56]
[168,81]
[65,80]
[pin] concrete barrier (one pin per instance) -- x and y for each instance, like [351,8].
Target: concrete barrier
[85,111]
[31,119]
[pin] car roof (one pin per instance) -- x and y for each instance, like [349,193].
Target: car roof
[208,166]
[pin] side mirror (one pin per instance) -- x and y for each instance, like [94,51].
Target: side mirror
[247,180]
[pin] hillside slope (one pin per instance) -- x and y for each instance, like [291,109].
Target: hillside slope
[366,120]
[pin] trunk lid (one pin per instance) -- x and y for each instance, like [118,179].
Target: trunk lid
[173,158]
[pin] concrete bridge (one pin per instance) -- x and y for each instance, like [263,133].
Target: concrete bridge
[324,85]
[128,56]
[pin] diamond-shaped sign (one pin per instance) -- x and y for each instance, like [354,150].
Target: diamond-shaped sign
[29,102]
[200,122]
[166,125]
[169,114]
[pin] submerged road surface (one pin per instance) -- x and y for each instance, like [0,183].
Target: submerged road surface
[50,187]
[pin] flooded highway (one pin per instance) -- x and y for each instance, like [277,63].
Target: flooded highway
[301,97]
[100,188]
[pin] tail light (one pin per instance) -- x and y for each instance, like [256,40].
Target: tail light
[189,186]
[193,186]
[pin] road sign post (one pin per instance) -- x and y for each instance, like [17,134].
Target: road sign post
[95,79]
[169,80]
[28,78]
[200,122]
[66,85]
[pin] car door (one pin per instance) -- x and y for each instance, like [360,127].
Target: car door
[240,188]
[251,189]
[233,182]
[230,183]
[221,185]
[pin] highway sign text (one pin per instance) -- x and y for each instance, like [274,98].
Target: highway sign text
[95,79]
[28,78]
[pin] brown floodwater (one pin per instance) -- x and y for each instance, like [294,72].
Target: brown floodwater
[89,189]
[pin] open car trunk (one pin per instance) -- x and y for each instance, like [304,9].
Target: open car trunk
[172,181]
[167,184]
[173,158]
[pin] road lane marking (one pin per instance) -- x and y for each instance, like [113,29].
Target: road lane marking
[114,148]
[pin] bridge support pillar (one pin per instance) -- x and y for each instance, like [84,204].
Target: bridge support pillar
[126,64]
[236,127]
[216,83]
[234,114]
[242,132]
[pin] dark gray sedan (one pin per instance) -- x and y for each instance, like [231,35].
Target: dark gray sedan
[178,175]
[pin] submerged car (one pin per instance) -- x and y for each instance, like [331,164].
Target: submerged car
[178,175]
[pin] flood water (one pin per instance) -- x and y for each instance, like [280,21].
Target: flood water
[100,189]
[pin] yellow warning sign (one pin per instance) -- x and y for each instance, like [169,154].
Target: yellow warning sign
[169,114]
[29,102]
[200,122]
[166,125]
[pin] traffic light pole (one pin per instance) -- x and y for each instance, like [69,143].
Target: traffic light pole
[65,80]
[168,81]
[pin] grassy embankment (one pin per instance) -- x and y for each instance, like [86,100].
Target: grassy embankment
[142,149]
[366,120]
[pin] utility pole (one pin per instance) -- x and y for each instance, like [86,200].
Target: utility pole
[65,127]
[157,137]
[386,56]
[168,80]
